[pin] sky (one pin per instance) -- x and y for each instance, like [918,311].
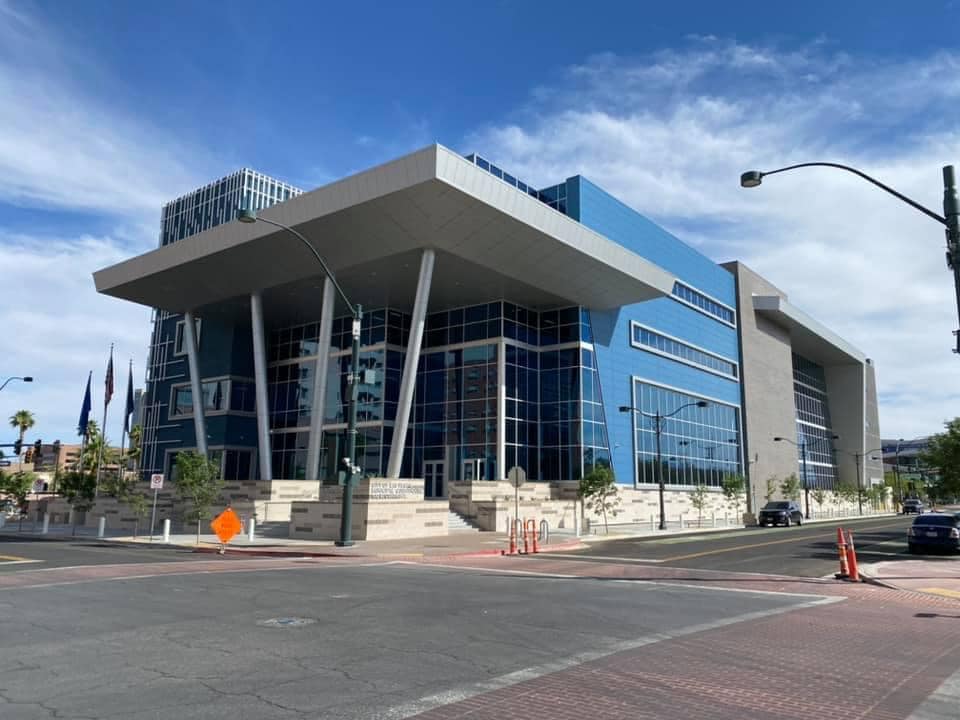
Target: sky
[109,109]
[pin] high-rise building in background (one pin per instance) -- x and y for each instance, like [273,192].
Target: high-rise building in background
[165,410]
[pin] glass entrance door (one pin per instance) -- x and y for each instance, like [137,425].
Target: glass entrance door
[474,469]
[433,479]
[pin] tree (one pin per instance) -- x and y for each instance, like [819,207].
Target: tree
[733,485]
[699,499]
[138,503]
[21,421]
[943,455]
[771,488]
[136,448]
[845,492]
[19,485]
[599,493]
[790,487]
[820,496]
[198,483]
[79,489]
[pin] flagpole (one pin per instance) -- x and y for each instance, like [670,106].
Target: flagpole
[108,392]
[126,421]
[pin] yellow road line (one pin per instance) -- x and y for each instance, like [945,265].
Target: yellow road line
[941,591]
[769,542]
[15,559]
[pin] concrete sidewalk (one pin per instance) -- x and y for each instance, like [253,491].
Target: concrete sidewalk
[934,575]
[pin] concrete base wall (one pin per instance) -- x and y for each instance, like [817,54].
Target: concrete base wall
[382,510]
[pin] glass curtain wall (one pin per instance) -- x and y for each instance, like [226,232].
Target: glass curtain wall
[698,445]
[814,430]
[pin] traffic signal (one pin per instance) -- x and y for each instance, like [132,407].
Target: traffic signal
[38,450]
[17,446]
[28,456]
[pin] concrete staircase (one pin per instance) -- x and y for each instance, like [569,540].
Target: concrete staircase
[458,523]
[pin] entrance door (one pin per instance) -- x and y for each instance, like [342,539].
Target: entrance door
[433,479]
[474,469]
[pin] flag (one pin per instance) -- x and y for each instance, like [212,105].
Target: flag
[108,381]
[85,409]
[128,411]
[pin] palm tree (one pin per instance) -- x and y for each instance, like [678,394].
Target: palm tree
[22,420]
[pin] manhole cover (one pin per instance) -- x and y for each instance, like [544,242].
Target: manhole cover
[285,622]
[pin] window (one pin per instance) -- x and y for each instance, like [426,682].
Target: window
[651,340]
[179,346]
[698,301]
[219,395]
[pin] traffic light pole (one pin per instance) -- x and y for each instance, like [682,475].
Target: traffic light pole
[951,213]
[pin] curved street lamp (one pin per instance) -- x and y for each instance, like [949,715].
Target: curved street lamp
[950,218]
[25,378]
[356,311]
[658,419]
[803,454]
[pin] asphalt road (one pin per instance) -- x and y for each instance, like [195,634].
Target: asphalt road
[25,552]
[806,551]
[385,640]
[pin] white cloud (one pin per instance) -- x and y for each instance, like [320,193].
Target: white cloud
[670,134]
[65,149]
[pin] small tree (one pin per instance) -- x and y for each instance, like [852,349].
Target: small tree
[820,496]
[79,488]
[699,498]
[771,488]
[138,503]
[733,486]
[790,487]
[19,485]
[198,482]
[845,492]
[599,493]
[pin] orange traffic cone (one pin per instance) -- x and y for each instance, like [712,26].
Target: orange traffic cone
[513,538]
[852,558]
[526,537]
[532,529]
[842,552]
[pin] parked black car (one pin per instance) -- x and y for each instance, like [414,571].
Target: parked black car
[780,512]
[934,530]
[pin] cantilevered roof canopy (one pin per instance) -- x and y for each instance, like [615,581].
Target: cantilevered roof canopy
[431,198]
[807,336]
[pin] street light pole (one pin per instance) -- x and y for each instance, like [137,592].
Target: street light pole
[356,311]
[896,472]
[950,218]
[806,484]
[658,419]
[25,378]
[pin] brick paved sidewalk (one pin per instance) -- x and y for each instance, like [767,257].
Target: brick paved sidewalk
[876,655]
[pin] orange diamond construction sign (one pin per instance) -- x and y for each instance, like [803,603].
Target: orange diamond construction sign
[226,525]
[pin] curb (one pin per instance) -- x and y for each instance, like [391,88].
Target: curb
[487,552]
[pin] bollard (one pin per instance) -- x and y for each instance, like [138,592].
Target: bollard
[251,528]
[526,539]
[46,524]
[166,530]
[513,537]
[842,552]
[852,558]
[101,526]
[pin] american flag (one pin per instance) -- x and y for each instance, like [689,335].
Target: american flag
[108,381]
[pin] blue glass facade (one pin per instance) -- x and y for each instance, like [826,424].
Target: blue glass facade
[498,384]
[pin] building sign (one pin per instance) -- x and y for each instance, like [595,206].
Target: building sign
[395,490]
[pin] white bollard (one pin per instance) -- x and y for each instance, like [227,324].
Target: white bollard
[576,522]
[101,527]
[46,524]
[166,530]
[251,528]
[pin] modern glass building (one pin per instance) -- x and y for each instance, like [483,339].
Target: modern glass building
[504,326]
[228,397]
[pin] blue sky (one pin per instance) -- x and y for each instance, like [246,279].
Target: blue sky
[108,109]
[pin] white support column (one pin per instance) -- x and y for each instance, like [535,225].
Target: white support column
[408,381]
[502,411]
[196,386]
[260,384]
[315,444]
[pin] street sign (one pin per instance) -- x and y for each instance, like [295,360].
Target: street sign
[226,525]
[517,476]
[156,481]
